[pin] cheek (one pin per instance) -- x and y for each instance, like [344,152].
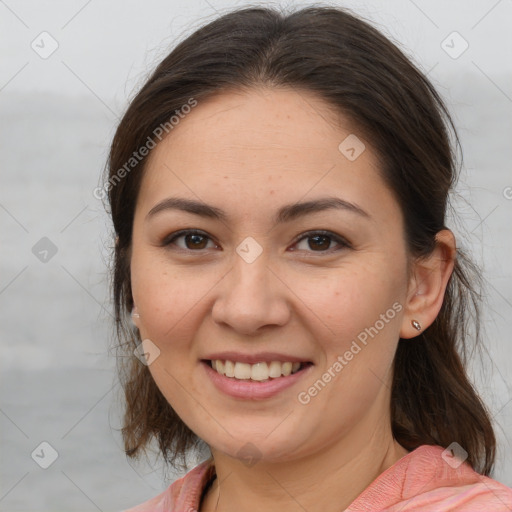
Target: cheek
[352,300]
[165,295]
[363,314]
[169,302]
[369,321]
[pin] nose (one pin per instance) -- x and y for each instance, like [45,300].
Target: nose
[251,297]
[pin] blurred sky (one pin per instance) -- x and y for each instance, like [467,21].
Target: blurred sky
[109,44]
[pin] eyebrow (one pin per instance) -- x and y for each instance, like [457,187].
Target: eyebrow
[285,214]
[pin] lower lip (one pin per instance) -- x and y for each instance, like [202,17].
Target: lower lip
[251,389]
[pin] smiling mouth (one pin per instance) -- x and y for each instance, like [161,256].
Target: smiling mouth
[259,372]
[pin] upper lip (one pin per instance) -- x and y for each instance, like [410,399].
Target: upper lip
[259,357]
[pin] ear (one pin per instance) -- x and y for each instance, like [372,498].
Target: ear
[135,316]
[427,285]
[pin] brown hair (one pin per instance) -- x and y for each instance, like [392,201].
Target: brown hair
[362,75]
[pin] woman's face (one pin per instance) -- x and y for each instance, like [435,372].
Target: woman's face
[269,279]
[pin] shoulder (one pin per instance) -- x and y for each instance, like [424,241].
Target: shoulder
[428,479]
[183,494]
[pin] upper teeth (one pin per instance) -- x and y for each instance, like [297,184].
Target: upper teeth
[258,371]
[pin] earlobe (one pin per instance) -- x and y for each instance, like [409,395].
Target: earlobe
[416,324]
[430,276]
[135,316]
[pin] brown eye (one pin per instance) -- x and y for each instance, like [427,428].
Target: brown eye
[192,240]
[320,241]
[195,241]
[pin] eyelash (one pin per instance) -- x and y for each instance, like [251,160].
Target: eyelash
[309,234]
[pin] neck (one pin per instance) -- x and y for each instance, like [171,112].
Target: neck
[329,480]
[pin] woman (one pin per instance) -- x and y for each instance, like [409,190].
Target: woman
[278,190]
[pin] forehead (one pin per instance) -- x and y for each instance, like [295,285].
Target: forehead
[265,120]
[263,144]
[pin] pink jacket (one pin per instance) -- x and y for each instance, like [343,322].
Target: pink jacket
[421,481]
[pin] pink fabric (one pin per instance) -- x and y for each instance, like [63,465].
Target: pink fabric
[421,482]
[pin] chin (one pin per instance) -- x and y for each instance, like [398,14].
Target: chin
[250,449]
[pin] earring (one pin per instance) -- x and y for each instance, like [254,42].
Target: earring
[134,315]
[416,325]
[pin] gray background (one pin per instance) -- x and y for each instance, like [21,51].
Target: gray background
[58,115]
